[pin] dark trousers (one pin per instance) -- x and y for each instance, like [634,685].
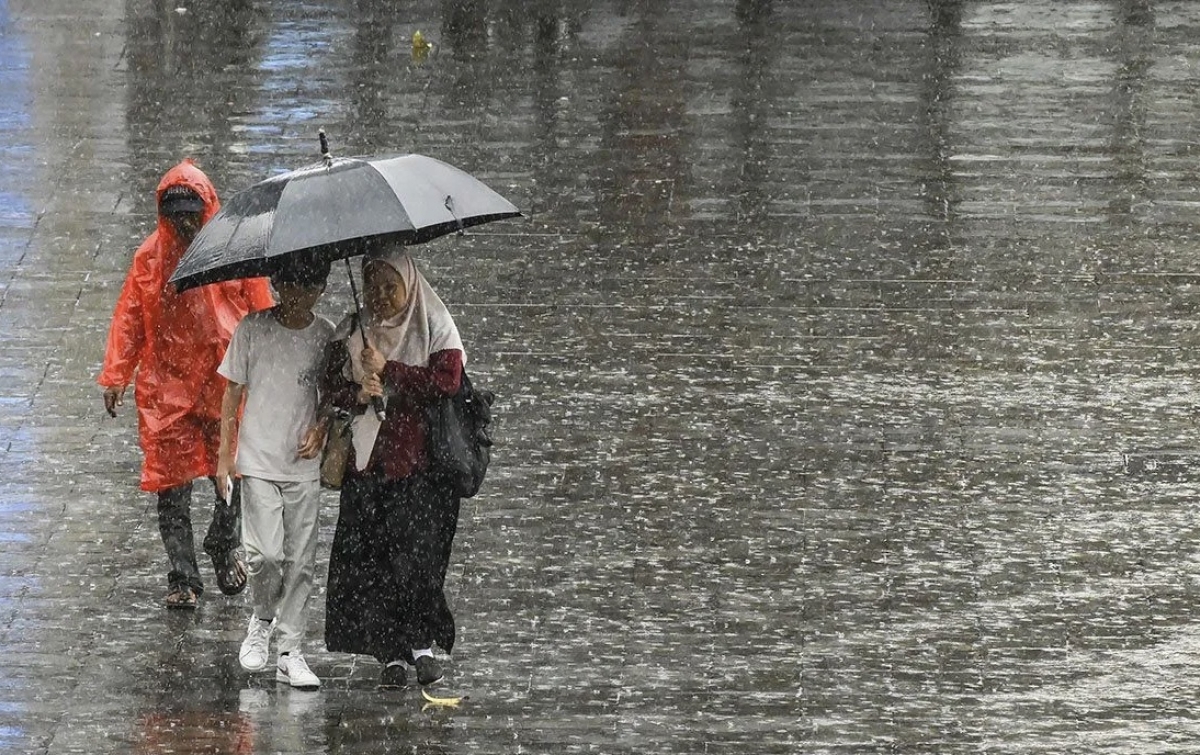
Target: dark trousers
[175,526]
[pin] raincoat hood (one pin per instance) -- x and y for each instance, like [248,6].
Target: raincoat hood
[188,175]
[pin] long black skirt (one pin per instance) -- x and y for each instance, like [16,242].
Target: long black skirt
[387,568]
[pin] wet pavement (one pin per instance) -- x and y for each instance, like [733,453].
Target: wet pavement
[845,369]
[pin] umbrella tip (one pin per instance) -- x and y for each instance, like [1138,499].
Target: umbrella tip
[328,158]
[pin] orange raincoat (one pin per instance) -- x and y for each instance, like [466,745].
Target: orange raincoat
[175,342]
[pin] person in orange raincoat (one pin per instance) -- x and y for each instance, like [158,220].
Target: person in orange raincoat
[175,341]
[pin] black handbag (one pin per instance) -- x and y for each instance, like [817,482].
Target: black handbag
[460,442]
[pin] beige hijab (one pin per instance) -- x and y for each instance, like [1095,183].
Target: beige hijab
[422,327]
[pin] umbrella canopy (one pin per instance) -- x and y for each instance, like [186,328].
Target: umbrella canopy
[336,209]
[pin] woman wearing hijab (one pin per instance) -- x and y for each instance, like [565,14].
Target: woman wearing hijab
[396,523]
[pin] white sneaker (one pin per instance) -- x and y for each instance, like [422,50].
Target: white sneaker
[294,670]
[254,653]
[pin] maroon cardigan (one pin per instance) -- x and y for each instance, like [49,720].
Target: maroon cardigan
[399,450]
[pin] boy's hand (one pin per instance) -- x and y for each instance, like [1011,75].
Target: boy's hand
[224,478]
[312,443]
[372,361]
[114,396]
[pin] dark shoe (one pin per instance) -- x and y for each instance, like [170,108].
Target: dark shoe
[429,671]
[181,596]
[231,572]
[393,677]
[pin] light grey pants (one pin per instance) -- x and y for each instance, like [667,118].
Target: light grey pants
[279,534]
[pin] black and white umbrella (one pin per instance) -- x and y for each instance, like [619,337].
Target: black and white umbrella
[336,209]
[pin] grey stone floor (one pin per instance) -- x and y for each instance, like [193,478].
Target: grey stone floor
[845,358]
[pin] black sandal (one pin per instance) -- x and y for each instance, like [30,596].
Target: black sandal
[181,596]
[231,573]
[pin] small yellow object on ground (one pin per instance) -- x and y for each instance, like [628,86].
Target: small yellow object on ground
[420,47]
[445,702]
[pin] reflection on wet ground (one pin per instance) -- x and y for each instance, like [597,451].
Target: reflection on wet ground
[844,363]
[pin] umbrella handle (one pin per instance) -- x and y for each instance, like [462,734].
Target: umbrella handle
[376,401]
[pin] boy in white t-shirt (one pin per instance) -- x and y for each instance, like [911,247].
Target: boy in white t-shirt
[273,361]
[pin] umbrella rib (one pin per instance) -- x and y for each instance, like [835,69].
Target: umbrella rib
[270,231]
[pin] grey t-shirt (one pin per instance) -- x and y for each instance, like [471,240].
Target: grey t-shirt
[279,368]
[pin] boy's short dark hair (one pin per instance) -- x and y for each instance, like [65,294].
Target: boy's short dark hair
[302,271]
